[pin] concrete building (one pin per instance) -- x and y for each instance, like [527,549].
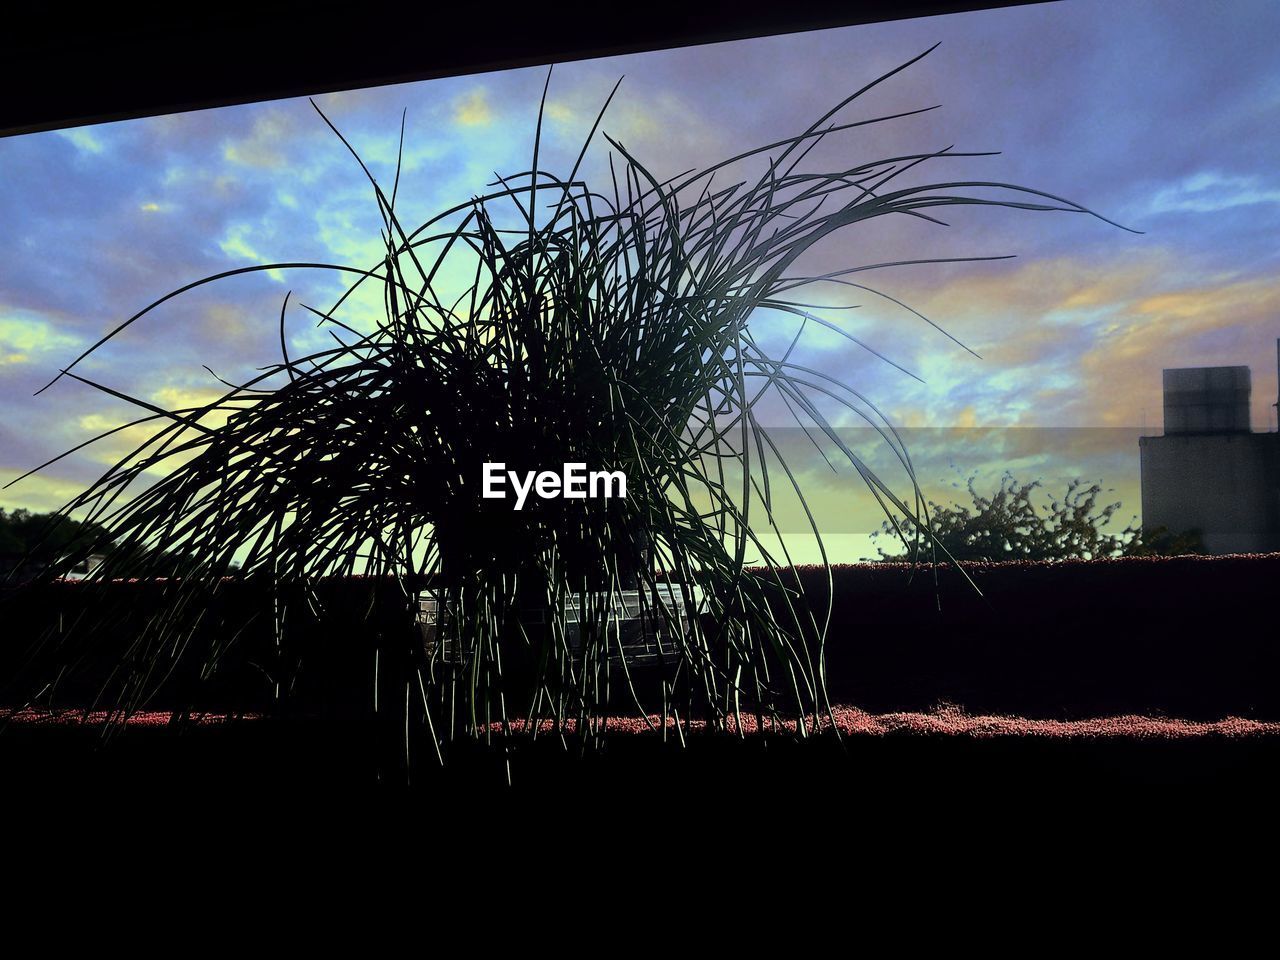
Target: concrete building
[1210,472]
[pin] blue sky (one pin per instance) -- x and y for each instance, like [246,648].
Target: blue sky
[1164,116]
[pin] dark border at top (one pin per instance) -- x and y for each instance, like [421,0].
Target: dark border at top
[61,69]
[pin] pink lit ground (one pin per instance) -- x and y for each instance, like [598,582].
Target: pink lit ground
[947,721]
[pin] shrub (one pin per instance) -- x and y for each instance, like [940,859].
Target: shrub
[1010,525]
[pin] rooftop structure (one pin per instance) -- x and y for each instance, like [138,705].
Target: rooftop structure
[1210,473]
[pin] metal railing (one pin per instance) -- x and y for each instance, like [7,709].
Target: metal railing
[639,629]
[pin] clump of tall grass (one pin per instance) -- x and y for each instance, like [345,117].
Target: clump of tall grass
[605,324]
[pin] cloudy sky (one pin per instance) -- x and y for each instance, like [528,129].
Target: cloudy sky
[1163,116]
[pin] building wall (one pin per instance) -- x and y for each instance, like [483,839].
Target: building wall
[1226,485]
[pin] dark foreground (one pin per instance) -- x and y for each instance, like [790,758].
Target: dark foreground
[1045,650]
[268,798]
[887,757]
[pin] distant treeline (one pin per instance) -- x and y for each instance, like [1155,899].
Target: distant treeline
[34,543]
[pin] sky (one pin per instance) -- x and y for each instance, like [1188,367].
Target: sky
[1162,116]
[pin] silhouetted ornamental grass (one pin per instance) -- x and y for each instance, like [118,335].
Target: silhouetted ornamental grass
[610,324]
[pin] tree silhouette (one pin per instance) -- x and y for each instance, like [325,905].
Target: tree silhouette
[1010,525]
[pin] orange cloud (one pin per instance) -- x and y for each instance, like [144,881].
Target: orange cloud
[1227,324]
[1077,343]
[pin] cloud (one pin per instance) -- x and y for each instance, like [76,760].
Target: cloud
[236,244]
[114,448]
[1209,192]
[176,397]
[265,147]
[472,109]
[23,334]
[560,112]
[1070,341]
[86,139]
[1031,321]
[1200,324]
[46,492]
